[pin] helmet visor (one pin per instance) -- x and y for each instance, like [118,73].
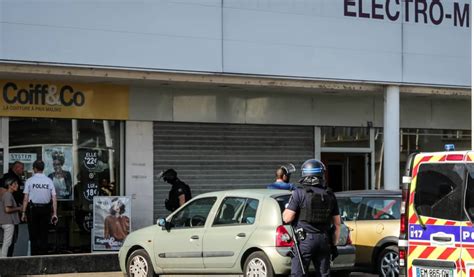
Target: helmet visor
[289,168]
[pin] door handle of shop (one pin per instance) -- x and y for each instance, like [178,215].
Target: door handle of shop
[194,237]
[442,239]
[240,235]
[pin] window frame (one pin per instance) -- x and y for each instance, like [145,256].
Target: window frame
[187,206]
[382,198]
[241,213]
[462,184]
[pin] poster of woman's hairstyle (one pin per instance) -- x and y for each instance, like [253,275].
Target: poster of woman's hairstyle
[59,168]
[111,222]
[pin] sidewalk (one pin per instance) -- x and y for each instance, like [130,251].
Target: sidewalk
[89,274]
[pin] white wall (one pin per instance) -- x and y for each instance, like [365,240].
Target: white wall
[253,107]
[139,171]
[435,113]
[165,103]
[160,34]
[300,38]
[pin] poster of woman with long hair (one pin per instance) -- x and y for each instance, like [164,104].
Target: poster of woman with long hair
[111,222]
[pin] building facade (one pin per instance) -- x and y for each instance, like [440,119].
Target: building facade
[225,91]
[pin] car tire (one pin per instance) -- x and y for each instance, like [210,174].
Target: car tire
[258,265]
[139,264]
[387,265]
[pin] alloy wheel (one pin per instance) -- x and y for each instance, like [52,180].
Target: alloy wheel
[389,264]
[256,268]
[138,267]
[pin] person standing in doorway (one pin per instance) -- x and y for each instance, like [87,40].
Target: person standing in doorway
[15,172]
[9,216]
[313,210]
[282,178]
[39,208]
[180,192]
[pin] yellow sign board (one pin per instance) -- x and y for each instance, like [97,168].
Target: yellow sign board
[63,100]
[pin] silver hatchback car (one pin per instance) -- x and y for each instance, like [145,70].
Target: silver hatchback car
[225,232]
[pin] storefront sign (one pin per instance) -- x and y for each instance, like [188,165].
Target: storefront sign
[433,12]
[26,158]
[63,100]
[111,222]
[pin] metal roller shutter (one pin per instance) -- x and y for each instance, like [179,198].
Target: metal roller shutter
[211,157]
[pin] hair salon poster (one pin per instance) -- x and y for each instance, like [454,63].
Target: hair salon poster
[111,222]
[58,167]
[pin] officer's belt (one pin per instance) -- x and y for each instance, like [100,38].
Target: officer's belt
[39,205]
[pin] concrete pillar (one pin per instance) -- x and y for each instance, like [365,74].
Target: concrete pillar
[317,142]
[391,137]
[139,171]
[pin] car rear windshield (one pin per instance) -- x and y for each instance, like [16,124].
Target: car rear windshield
[439,190]
[282,201]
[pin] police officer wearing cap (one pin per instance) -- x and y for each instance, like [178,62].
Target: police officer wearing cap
[312,210]
[180,192]
[39,208]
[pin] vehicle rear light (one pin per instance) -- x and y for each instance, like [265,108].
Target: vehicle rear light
[349,241]
[283,238]
[403,226]
[455,157]
[402,254]
[403,218]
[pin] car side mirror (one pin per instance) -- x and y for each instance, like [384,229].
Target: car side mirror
[164,224]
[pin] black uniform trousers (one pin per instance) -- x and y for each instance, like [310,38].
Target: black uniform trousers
[315,247]
[39,217]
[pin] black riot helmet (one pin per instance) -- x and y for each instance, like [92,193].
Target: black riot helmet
[169,175]
[312,173]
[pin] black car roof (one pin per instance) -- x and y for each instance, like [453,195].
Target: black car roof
[370,192]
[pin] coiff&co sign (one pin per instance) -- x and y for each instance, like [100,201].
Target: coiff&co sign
[63,100]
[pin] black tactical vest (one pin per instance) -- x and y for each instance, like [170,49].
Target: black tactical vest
[319,204]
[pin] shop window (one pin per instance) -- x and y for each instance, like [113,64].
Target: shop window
[345,137]
[82,158]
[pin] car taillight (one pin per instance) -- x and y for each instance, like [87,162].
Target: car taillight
[283,238]
[402,254]
[348,240]
[403,218]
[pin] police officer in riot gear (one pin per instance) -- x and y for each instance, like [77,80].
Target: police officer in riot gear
[180,192]
[282,178]
[313,210]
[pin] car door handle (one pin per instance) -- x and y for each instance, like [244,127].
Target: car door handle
[240,235]
[442,239]
[195,237]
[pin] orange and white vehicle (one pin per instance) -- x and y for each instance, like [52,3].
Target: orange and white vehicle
[437,214]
